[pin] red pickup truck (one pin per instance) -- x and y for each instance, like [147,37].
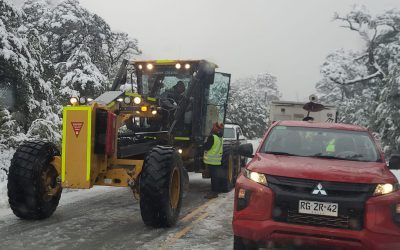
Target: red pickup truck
[317,184]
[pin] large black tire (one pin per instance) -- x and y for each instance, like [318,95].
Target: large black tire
[160,199]
[243,161]
[34,188]
[223,177]
[239,244]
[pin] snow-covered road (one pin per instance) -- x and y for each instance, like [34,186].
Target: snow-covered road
[109,218]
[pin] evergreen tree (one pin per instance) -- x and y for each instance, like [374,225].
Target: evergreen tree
[249,103]
[80,77]
[364,84]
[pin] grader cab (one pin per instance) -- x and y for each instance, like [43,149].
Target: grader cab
[145,133]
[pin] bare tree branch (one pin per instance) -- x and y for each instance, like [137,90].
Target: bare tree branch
[361,57]
[378,68]
[357,80]
[350,24]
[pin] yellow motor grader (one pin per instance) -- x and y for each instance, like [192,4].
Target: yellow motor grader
[145,133]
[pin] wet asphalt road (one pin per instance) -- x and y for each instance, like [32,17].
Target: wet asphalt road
[109,218]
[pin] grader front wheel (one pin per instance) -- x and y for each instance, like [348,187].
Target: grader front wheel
[33,187]
[161,187]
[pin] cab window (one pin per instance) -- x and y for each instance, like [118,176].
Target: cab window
[229,133]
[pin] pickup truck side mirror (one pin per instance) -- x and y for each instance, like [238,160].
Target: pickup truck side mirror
[394,162]
[246,150]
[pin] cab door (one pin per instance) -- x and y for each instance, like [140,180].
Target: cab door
[217,100]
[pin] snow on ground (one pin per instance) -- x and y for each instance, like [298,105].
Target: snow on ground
[3,195]
[397,174]
[68,196]
[5,158]
[215,231]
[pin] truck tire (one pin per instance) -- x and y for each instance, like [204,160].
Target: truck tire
[161,187]
[243,161]
[223,177]
[34,187]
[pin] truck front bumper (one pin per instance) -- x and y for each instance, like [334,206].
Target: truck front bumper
[252,221]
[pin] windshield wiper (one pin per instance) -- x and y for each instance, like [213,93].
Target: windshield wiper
[356,156]
[280,153]
[320,155]
[350,158]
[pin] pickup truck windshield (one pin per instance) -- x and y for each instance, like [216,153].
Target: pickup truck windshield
[321,143]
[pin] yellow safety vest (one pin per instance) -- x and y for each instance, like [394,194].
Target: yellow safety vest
[330,148]
[214,155]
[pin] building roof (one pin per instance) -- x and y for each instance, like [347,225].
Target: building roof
[290,103]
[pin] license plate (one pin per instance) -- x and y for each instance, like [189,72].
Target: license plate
[318,208]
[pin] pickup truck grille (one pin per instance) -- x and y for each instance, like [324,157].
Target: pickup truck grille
[351,198]
[318,220]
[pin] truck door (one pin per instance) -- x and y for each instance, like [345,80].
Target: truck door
[217,100]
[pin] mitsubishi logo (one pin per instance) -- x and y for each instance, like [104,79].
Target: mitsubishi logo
[319,190]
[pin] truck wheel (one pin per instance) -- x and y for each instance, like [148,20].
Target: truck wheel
[222,177]
[161,187]
[238,244]
[243,161]
[34,188]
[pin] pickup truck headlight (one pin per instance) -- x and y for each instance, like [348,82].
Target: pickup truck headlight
[257,177]
[387,188]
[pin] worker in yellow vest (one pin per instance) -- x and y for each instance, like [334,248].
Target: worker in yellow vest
[330,148]
[213,149]
[213,146]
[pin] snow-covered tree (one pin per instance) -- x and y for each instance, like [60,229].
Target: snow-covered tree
[364,84]
[80,77]
[118,46]
[47,53]
[19,70]
[249,103]
[80,41]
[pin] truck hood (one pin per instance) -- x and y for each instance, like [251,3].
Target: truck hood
[321,169]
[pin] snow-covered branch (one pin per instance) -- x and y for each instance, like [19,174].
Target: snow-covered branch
[357,80]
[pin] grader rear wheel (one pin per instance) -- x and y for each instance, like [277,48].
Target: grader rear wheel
[161,187]
[34,189]
[223,177]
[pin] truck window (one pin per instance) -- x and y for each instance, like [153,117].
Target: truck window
[218,94]
[155,84]
[319,142]
[229,133]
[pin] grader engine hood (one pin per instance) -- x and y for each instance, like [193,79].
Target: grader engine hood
[77,146]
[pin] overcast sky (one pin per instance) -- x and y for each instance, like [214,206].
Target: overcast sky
[286,38]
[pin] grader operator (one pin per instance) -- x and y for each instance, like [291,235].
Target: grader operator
[144,137]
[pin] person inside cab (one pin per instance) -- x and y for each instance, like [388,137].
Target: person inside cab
[170,100]
[176,93]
